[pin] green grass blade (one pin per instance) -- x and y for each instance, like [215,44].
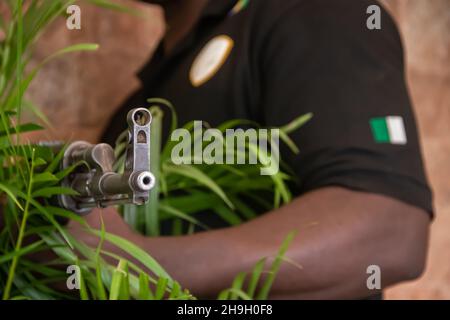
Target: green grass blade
[117,281]
[23,251]
[136,252]
[101,292]
[193,173]
[144,287]
[125,289]
[10,194]
[175,291]
[263,294]
[179,214]
[45,177]
[52,191]
[161,287]
[255,276]
[83,289]
[225,295]
[227,215]
[74,48]
[237,284]
[296,123]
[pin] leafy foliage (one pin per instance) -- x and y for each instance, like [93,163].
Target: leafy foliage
[254,278]
[188,190]
[30,178]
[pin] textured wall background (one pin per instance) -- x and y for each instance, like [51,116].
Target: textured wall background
[80,91]
[425,26]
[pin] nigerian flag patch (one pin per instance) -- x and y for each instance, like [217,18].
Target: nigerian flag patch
[389,129]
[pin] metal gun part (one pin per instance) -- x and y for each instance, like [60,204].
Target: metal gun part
[96,182]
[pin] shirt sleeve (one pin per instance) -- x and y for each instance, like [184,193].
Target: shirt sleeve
[320,57]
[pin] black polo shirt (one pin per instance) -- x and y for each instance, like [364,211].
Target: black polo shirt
[272,61]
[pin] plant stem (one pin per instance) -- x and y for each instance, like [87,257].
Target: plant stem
[23,224]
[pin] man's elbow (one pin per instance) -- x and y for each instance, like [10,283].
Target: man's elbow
[412,268]
[411,246]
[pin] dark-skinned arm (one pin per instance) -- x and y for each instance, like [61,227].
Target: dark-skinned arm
[339,234]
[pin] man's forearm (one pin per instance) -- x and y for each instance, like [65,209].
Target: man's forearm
[339,234]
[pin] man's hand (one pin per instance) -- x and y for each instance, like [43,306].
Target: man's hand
[113,223]
[340,233]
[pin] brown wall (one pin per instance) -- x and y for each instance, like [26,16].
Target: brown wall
[425,26]
[80,91]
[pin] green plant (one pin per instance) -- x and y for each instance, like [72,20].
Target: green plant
[251,292]
[30,177]
[184,192]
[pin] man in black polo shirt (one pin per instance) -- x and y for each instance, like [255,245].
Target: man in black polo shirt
[360,167]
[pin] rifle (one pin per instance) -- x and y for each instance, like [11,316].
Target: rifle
[96,182]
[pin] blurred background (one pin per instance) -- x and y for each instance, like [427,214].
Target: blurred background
[81,91]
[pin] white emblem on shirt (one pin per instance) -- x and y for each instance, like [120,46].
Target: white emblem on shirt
[210,59]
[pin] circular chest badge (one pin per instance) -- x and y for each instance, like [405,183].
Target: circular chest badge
[210,59]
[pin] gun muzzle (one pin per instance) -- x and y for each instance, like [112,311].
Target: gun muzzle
[96,183]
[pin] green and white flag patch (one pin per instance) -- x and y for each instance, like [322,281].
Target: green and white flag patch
[389,129]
